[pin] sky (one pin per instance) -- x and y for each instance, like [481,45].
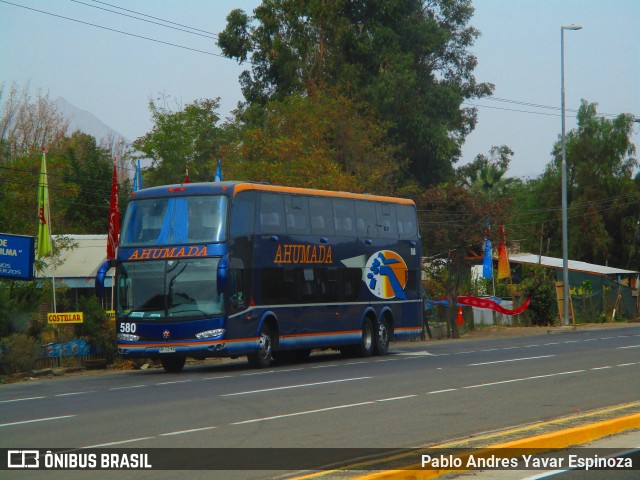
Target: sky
[99,62]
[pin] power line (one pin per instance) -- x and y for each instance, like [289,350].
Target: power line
[212,36]
[155,18]
[534,105]
[116,31]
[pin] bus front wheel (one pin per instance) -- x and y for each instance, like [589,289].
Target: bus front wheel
[173,364]
[262,358]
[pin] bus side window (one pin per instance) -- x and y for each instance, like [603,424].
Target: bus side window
[406,222]
[321,215]
[297,214]
[243,214]
[366,219]
[344,217]
[387,223]
[271,214]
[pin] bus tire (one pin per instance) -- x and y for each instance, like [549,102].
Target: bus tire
[365,348]
[262,358]
[173,364]
[381,344]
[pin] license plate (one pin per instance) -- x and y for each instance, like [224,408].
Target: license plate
[167,349]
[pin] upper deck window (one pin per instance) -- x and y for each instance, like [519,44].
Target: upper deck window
[175,221]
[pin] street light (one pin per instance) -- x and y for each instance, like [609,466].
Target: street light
[565,234]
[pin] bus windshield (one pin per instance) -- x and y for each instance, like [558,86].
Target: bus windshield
[168,288]
[174,221]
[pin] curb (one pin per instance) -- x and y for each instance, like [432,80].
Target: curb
[545,442]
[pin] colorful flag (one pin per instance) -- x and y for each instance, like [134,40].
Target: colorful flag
[186,175]
[487,264]
[44,225]
[503,257]
[114,217]
[218,177]
[137,179]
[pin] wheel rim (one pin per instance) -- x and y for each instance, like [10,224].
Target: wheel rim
[265,345]
[383,334]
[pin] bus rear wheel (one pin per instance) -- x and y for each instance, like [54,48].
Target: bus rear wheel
[262,358]
[173,364]
[365,347]
[381,345]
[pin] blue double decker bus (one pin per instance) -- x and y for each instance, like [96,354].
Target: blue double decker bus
[229,269]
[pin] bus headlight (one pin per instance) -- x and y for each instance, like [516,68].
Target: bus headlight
[210,333]
[127,337]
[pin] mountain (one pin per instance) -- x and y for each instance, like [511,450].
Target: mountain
[86,122]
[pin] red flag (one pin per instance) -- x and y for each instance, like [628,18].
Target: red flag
[186,177]
[114,217]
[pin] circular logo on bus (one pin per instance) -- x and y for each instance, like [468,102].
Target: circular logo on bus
[386,274]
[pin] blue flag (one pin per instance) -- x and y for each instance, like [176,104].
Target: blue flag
[137,179]
[218,177]
[487,264]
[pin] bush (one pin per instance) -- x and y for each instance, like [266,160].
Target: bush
[97,328]
[18,353]
[539,286]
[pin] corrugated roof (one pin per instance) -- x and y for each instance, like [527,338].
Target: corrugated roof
[83,260]
[574,265]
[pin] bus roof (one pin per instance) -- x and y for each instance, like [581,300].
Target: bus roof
[208,188]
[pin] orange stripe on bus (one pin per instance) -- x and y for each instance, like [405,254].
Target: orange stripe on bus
[325,193]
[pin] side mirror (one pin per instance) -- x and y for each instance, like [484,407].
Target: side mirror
[223,274]
[100,276]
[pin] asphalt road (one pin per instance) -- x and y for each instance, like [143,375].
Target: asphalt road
[422,393]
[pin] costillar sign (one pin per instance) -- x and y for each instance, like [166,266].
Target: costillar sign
[17,255]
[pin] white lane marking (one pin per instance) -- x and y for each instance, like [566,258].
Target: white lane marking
[173,382]
[110,444]
[510,360]
[181,432]
[630,346]
[395,398]
[523,379]
[601,368]
[217,378]
[127,388]
[443,391]
[626,364]
[306,412]
[416,354]
[73,393]
[20,399]
[288,387]
[35,420]
[326,366]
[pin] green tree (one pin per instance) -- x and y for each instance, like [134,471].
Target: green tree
[189,136]
[452,227]
[321,141]
[408,59]
[80,177]
[486,175]
[602,195]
